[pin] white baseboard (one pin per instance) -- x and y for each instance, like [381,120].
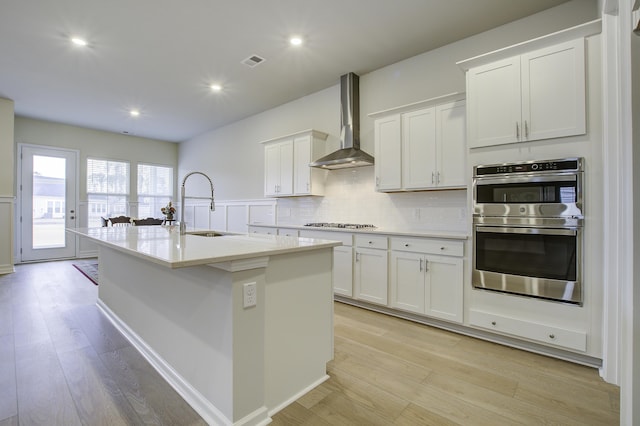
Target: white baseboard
[7,269]
[192,396]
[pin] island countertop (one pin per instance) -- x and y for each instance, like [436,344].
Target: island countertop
[165,246]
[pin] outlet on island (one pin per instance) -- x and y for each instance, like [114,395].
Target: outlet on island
[250,295]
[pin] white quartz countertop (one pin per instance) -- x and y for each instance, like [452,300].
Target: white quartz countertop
[454,235]
[165,246]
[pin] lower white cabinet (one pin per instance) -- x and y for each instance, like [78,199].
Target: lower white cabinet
[371,269]
[343,270]
[262,230]
[425,283]
[535,331]
[342,259]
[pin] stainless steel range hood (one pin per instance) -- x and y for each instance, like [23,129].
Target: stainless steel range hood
[349,154]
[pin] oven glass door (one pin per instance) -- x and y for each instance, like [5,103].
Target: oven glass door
[532,261]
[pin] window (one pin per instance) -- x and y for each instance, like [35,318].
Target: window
[107,189]
[155,189]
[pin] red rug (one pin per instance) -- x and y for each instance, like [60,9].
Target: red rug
[89,270]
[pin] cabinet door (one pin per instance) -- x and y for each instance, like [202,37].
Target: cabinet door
[301,169]
[371,275]
[444,288]
[451,146]
[286,168]
[493,96]
[388,157]
[419,149]
[407,281]
[343,271]
[271,169]
[553,91]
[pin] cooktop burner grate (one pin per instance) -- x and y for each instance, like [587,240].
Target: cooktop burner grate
[340,225]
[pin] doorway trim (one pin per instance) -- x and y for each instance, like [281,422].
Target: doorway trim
[19,199]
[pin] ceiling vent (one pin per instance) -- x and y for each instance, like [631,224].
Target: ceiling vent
[253,61]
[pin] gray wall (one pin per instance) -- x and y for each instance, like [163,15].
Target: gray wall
[97,144]
[233,157]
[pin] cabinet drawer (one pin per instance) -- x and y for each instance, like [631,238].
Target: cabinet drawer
[287,232]
[372,241]
[262,230]
[550,335]
[345,238]
[428,246]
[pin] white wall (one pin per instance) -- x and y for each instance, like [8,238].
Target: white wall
[97,144]
[233,157]
[6,186]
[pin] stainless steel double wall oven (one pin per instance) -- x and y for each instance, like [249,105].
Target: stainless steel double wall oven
[527,226]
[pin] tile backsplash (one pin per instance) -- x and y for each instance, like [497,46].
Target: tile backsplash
[350,197]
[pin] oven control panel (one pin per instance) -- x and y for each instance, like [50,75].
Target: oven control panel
[568,164]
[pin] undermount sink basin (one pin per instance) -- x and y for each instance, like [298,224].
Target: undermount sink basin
[206,234]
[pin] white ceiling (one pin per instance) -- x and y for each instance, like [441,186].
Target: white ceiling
[160,56]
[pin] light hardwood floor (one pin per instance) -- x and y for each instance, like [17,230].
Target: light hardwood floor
[62,363]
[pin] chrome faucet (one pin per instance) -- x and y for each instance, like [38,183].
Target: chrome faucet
[183,224]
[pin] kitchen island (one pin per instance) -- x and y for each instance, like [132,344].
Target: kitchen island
[239,325]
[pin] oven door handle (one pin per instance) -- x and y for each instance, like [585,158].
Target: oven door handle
[540,231]
[525,179]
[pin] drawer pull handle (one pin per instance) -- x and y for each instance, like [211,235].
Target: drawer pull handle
[552,336]
[493,323]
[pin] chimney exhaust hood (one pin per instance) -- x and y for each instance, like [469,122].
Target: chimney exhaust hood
[349,154]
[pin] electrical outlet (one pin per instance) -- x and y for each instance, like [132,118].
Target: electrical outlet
[250,295]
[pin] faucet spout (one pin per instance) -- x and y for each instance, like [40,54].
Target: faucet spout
[183,224]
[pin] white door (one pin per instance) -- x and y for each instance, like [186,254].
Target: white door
[419,149]
[407,281]
[493,96]
[387,139]
[48,191]
[371,275]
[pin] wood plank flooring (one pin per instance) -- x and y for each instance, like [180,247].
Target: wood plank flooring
[63,363]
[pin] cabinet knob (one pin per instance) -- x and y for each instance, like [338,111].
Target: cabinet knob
[370,242]
[552,336]
[493,323]
[406,245]
[443,248]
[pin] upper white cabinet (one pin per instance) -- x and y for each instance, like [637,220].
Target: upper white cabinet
[278,168]
[535,95]
[286,164]
[421,146]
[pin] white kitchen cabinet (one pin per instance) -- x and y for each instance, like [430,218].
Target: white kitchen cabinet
[278,169]
[421,146]
[534,331]
[286,165]
[418,149]
[288,232]
[426,283]
[388,144]
[371,269]
[532,96]
[342,259]
[262,230]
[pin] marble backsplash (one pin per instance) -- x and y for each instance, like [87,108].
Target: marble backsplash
[350,197]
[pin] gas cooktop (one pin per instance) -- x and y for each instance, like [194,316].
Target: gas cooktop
[340,225]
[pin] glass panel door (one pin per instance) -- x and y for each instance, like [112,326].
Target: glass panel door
[48,203]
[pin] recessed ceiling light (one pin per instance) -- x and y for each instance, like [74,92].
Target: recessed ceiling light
[134,113]
[78,41]
[216,87]
[295,41]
